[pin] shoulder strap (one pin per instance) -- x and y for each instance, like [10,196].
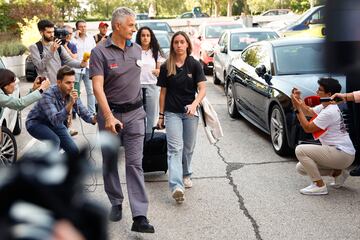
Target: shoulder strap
[40,48]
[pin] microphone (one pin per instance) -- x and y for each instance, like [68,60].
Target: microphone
[86,56]
[118,127]
[312,101]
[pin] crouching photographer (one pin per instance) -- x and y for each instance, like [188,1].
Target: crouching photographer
[336,151]
[42,196]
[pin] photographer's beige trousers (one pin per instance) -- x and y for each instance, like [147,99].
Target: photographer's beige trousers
[321,160]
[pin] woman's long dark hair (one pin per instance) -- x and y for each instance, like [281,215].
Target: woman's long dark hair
[154,44]
[6,77]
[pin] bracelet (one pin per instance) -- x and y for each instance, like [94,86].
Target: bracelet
[296,111]
[345,97]
[161,117]
[161,114]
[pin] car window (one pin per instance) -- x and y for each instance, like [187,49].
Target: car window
[240,41]
[215,31]
[256,55]
[163,40]
[318,16]
[299,59]
[163,26]
[187,15]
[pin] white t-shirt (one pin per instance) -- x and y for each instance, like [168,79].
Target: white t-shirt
[330,118]
[83,45]
[148,64]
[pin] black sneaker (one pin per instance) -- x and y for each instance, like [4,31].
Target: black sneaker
[115,213]
[355,172]
[141,224]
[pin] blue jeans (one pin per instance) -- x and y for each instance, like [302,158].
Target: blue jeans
[152,93]
[84,76]
[59,136]
[181,132]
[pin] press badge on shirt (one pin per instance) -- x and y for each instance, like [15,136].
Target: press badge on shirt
[189,75]
[139,63]
[113,65]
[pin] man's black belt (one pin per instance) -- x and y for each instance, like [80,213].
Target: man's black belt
[125,107]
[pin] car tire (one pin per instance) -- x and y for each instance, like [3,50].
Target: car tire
[8,147]
[206,70]
[230,102]
[216,79]
[18,124]
[277,132]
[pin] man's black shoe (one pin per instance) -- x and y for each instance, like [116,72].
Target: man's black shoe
[355,172]
[115,213]
[141,224]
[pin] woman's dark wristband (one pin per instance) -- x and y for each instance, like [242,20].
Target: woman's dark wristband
[296,111]
[161,114]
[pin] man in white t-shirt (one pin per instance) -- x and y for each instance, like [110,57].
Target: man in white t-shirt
[84,43]
[336,151]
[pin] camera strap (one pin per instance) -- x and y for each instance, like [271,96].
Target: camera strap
[41,49]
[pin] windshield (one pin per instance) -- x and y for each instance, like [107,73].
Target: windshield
[163,40]
[299,59]
[239,41]
[156,26]
[216,30]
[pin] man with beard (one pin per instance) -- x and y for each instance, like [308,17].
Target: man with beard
[46,55]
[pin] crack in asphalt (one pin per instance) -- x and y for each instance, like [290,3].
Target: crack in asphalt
[229,169]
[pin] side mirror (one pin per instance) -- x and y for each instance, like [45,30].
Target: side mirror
[262,72]
[223,49]
[267,77]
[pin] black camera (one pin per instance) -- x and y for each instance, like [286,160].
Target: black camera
[45,187]
[61,33]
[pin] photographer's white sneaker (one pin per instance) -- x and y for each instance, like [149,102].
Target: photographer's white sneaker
[313,189]
[340,180]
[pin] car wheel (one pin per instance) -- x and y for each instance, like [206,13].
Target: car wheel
[230,101]
[8,148]
[206,70]
[277,132]
[18,124]
[216,79]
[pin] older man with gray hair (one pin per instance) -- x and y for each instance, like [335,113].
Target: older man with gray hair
[115,72]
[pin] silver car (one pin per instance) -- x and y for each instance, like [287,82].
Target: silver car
[231,44]
[11,125]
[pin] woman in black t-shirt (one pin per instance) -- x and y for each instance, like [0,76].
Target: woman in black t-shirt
[181,76]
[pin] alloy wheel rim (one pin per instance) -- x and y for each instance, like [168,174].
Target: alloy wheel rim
[276,129]
[7,150]
[230,99]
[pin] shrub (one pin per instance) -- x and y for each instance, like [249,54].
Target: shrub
[14,48]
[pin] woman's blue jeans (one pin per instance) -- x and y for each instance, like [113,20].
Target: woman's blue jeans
[181,132]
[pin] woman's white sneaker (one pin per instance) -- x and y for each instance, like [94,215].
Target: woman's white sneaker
[313,189]
[178,195]
[187,182]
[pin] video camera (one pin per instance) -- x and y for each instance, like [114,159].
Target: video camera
[61,33]
[45,187]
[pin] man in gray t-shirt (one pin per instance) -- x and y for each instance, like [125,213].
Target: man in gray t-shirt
[115,72]
[50,62]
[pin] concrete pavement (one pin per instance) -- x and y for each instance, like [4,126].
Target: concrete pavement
[242,190]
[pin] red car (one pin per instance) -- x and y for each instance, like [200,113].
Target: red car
[203,44]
